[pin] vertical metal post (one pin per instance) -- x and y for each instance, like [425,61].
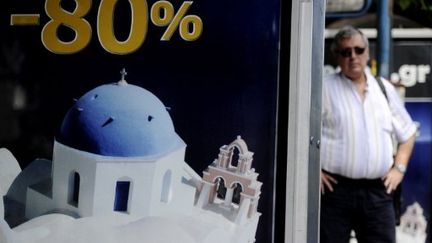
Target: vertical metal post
[314,169]
[296,218]
[304,121]
[384,38]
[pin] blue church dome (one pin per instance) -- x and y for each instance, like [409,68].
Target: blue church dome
[121,120]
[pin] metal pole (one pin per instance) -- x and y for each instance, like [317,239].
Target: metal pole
[304,121]
[384,38]
[314,169]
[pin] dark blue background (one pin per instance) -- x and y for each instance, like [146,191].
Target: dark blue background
[417,183]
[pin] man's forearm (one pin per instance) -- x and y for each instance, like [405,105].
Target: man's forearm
[404,151]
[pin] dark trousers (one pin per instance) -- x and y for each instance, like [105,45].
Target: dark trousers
[359,205]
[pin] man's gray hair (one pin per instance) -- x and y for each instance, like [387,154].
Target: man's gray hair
[344,33]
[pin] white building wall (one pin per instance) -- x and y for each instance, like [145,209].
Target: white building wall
[140,174]
[66,160]
[98,180]
[246,233]
[182,195]
[147,182]
[9,170]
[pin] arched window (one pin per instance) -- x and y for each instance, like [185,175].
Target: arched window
[220,188]
[166,191]
[236,194]
[74,188]
[235,155]
[121,196]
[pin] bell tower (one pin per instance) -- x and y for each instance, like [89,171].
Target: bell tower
[231,183]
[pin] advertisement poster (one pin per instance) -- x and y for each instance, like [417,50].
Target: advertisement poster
[413,69]
[209,70]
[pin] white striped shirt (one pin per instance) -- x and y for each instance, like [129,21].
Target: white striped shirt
[356,135]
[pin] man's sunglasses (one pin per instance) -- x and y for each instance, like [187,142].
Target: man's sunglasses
[347,52]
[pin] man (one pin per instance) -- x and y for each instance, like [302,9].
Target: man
[360,170]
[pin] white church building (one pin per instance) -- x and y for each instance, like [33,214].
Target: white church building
[117,153]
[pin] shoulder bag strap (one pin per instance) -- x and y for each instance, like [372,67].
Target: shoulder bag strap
[380,83]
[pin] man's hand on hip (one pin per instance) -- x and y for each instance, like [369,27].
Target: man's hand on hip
[327,182]
[392,179]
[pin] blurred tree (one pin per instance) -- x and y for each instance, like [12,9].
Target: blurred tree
[422,4]
[417,10]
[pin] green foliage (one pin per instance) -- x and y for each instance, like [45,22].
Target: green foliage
[419,4]
[404,4]
[426,5]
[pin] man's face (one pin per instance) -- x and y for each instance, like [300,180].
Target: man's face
[352,56]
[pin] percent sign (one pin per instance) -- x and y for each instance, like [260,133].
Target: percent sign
[162,14]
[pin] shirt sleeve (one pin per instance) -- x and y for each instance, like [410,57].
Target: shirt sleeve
[403,125]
